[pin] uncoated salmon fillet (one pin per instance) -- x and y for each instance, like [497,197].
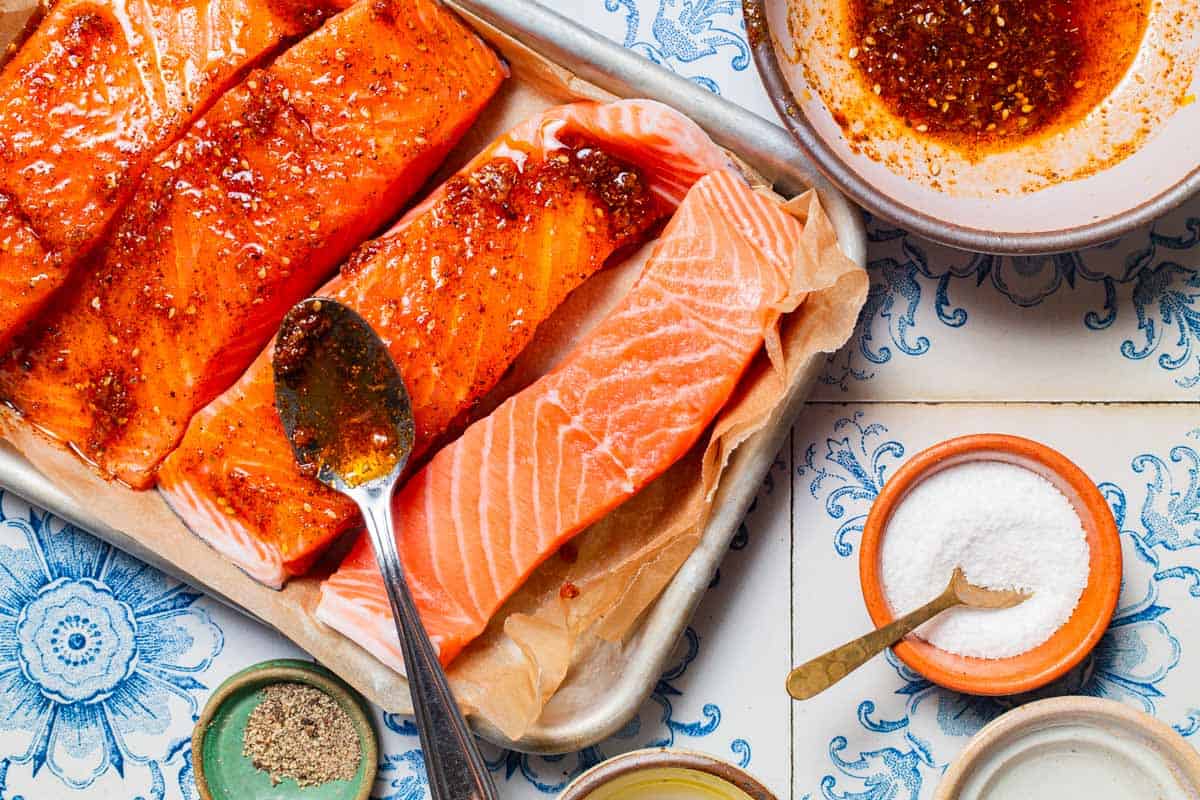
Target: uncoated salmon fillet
[91,97]
[630,399]
[456,290]
[244,216]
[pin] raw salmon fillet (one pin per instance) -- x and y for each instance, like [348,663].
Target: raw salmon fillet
[631,398]
[98,89]
[245,215]
[456,290]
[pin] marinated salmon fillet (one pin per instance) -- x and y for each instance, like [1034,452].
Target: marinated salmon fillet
[247,213]
[97,90]
[629,400]
[456,290]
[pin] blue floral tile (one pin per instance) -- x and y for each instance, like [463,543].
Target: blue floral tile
[1116,322]
[703,40]
[887,732]
[104,665]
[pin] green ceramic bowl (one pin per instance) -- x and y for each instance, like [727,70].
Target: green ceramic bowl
[223,773]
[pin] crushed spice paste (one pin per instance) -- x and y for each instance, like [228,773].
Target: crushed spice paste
[992,70]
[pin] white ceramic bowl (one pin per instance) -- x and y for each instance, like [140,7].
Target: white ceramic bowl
[1069,747]
[1068,189]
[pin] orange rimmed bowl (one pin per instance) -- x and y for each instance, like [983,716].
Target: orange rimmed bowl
[1071,643]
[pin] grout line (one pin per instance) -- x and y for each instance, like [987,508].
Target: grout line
[791,608]
[1132,403]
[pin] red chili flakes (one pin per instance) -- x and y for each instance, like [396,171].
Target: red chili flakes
[568,591]
[986,69]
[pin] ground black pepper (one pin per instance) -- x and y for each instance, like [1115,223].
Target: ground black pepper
[299,732]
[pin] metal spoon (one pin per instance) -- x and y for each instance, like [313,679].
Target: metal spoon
[812,678]
[347,415]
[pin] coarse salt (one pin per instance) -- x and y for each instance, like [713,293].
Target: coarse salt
[1008,528]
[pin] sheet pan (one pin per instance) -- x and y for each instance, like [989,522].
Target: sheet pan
[765,147]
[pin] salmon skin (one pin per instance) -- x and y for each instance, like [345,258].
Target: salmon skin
[244,216]
[630,399]
[96,91]
[456,290]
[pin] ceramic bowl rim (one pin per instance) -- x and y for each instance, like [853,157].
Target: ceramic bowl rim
[288,670]
[1052,659]
[664,758]
[963,237]
[1184,756]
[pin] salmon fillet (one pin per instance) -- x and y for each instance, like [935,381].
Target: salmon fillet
[97,90]
[244,216]
[456,290]
[631,398]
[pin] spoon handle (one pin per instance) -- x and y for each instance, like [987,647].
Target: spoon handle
[813,677]
[452,760]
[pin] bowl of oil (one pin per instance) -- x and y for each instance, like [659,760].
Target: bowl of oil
[665,774]
[1004,126]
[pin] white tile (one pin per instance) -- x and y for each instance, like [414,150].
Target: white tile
[885,728]
[1119,322]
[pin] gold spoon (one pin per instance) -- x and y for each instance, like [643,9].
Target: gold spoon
[814,677]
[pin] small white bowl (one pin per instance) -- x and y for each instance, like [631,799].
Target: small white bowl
[1126,162]
[1069,747]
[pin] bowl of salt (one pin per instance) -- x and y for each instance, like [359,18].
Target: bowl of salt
[1013,514]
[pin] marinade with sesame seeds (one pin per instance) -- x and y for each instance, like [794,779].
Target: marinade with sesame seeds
[455,290]
[251,209]
[978,71]
[71,155]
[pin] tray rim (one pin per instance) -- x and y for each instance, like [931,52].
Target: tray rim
[766,147]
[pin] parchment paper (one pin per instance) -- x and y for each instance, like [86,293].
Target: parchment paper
[621,564]
[536,645]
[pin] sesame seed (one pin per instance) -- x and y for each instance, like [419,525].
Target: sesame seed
[96,302]
[992,65]
[854,52]
[877,89]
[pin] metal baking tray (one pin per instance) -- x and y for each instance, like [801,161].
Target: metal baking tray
[764,146]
